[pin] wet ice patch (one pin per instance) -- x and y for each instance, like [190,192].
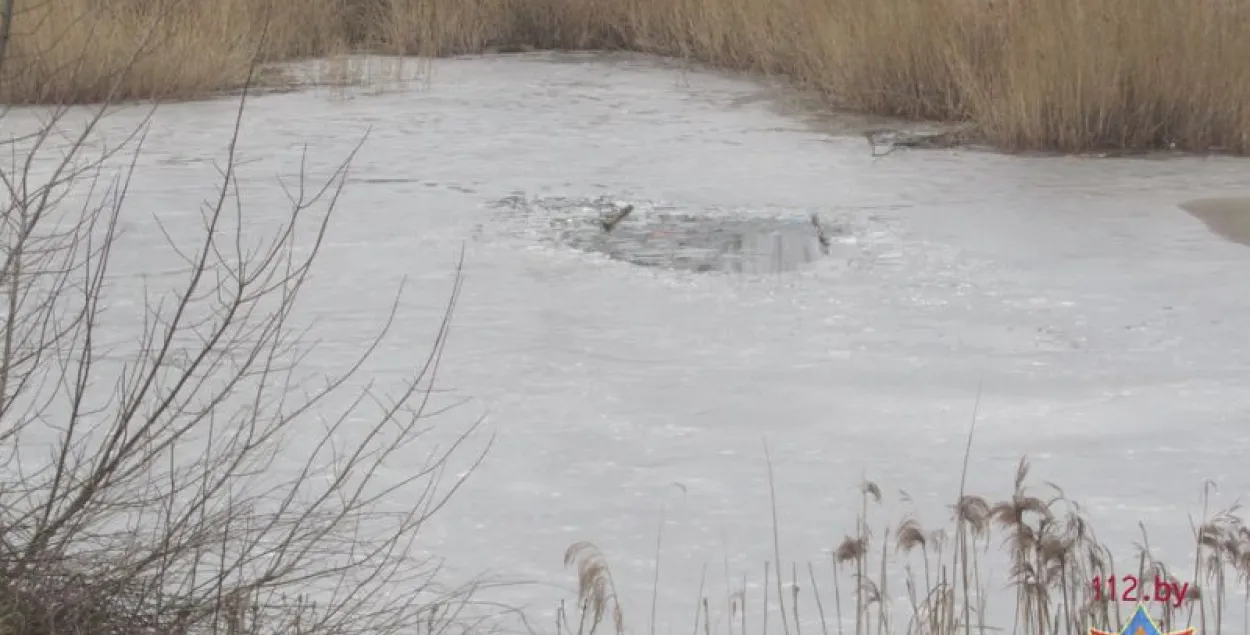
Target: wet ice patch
[1227,217]
[651,235]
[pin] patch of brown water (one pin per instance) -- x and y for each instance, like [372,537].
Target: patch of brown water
[1228,217]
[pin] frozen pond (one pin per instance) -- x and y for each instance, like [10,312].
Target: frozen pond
[1104,325]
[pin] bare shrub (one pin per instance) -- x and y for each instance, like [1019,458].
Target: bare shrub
[178,470]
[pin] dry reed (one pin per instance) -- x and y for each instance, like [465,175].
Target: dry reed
[1034,552]
[1067,75]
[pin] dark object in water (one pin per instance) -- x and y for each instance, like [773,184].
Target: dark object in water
[610,221]
[820,234]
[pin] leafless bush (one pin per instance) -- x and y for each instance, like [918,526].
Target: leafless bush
[149,484]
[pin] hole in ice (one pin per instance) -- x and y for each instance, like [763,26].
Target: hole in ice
[648,236]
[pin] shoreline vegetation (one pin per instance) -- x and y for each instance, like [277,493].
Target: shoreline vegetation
[1028,564]
[1047,75]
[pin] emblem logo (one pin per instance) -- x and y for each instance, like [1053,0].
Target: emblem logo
[1142,624]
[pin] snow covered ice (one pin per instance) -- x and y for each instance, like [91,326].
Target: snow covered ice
[1104,327]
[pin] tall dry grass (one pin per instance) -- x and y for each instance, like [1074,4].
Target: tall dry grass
[1024,564]
[1028,74]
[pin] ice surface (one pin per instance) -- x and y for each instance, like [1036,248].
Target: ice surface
[1104,326]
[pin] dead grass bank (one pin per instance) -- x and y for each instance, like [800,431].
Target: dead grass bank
[1065,75]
